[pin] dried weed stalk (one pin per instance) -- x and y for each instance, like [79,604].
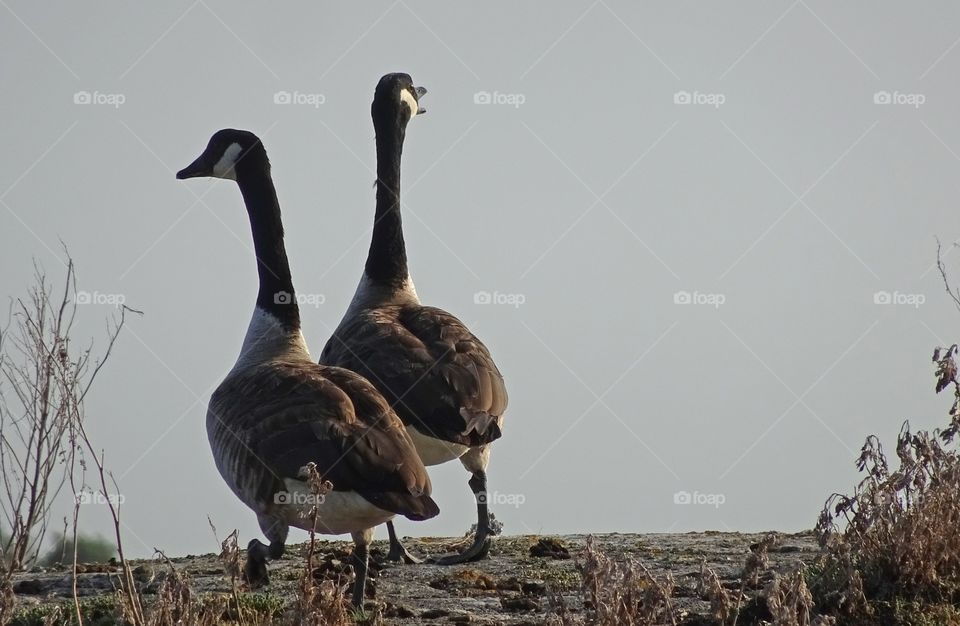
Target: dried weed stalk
[229,558]
[896,536]
[618,593]
[177,604]
[725,605]
[320,603]
[790,602]
[44,380]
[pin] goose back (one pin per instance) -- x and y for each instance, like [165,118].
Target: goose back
[435,373]
[267,421]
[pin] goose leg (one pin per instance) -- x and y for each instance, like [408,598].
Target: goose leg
[255,570]
[361,554]
[475,460]
[398,552]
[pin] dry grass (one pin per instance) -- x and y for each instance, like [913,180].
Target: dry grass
[176,603]
[790,602]
[724,606]
[899,537]
[786,598]
[318,603]
[895,539]
[618,593]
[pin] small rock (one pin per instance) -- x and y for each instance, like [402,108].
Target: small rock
[434,613]
[519,603]
[398,611]
[550,548]
[143,574]
[787,549]
[30,586]
[533,588]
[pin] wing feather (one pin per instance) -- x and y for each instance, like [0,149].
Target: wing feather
[328,416]
[435,373]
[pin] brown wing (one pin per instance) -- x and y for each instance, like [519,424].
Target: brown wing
[331,417]
[435,373]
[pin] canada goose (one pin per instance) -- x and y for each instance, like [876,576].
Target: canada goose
[437,376]
[277,411]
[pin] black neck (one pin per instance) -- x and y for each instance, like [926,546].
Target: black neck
[387,259]
[276,294]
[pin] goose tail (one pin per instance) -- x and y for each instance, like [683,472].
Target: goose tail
[412,506]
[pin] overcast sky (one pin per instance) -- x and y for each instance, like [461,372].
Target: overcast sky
[699,238]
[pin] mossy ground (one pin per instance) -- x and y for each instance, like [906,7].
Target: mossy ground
[512,587]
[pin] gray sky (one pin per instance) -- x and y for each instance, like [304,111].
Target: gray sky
[781,165]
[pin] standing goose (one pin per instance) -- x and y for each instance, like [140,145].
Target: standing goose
[277,411]
[437,376]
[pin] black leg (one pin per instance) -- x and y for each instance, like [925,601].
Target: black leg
[360,557]
[255,570]
[398,552]
[482,540]
[276,549]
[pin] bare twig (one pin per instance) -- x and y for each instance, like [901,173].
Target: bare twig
[954,293]
[43,385]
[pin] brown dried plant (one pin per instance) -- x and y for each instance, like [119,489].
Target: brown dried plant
[320,603]
[229,558]
[789,600]
[895,539]
[177,604]
[618,593]
[726,605]
[44,381]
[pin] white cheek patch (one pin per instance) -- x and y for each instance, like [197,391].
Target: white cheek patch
[224,167]
[407,98]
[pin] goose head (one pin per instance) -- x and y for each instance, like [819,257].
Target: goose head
[229,151]
[396,99]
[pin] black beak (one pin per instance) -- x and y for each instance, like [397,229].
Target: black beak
[198,168]
[421,92]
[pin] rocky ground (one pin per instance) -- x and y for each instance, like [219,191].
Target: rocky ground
[512,587]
